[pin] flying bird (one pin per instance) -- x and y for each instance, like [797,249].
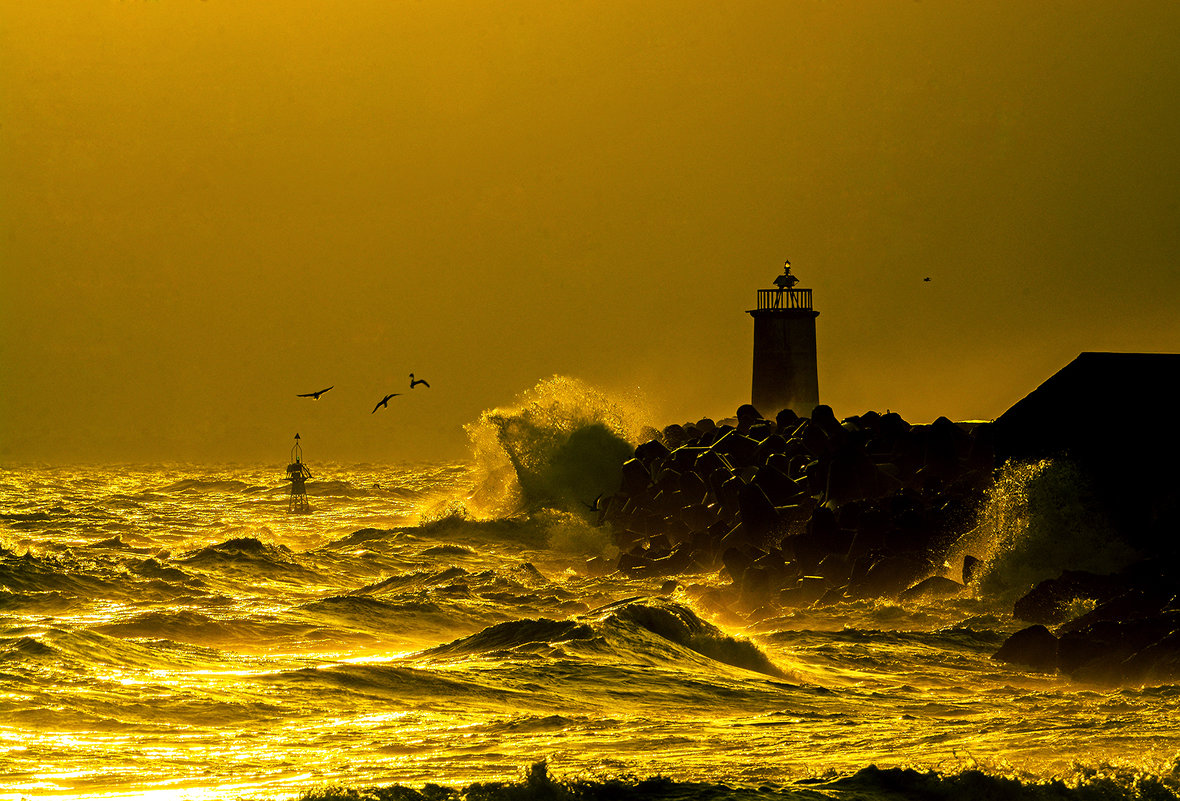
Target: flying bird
[594,507]
[421,381]
[927,278]
[384,402]
[314,395]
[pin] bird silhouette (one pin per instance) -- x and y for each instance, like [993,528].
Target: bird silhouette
[314,395]
[384,402]
[926,279]
[414,383]
[594,507]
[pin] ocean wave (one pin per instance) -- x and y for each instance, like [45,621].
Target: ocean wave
[366,612]
[399,684]
[50,602]
[249,554]
[622,631]
[560,444]
[515,635]
[680,625]
[62,573]
[416,580]
[188,626]
[334,488]
[209,485]
[365,535]
[1039,519]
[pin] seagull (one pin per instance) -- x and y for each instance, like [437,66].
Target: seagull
[384,402]
[594,507]
[414,383]
[927,278]
[314,395]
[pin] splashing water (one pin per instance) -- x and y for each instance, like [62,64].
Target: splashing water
[559,445]
[1039,519]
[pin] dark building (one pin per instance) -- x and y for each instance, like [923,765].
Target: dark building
[1115,416]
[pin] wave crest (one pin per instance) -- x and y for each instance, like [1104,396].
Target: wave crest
[1039,519]
[560,444]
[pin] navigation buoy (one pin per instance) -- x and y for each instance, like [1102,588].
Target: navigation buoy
[298,474]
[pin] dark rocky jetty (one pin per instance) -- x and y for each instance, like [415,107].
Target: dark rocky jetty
[1122,628]
[811,511]
[801,510]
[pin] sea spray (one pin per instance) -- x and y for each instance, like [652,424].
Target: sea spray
[1038,519]
[559,445]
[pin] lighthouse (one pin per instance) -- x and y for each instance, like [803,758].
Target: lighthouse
[785,367]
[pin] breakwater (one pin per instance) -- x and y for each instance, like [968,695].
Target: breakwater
[813,512]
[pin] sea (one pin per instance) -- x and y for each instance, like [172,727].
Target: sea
[433,630]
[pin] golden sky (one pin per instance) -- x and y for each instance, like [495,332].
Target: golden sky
[208,206]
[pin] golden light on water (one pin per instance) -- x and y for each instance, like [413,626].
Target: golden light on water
[213,208]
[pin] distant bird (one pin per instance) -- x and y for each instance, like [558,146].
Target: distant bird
[594,507]
[414,383]
[927,279]
[384,402]
[314,395]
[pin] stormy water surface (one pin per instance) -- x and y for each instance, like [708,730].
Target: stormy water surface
[170,631]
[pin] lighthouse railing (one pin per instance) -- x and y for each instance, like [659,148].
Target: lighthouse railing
[784,299]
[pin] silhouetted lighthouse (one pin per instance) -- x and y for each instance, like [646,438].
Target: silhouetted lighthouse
[785,371]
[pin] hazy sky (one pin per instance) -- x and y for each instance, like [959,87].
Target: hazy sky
[208,206]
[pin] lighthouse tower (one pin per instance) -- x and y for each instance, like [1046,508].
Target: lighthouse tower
[785,368]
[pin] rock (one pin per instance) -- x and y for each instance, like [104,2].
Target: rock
[633,563]
[1157,663]
[597,566]
[693,487]
[650,451]
[635,477]
[816,541]
[675,435]
[746,413]
[1033,647]
[768,447]
[706,426]
[760,430]
[710,462]
[933,587]
[735,562]
[1048,601]
[972,569]
[831,597]
[836,568]
[1097,652]
[852,476]
[1135,604]
[759,518]
[779,488]
[737,449]
[684,458]
[785,419]
[889,575]
[806,591]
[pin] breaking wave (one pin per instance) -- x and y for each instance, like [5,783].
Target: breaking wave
[1039,519]
[560,445]
[622,631]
